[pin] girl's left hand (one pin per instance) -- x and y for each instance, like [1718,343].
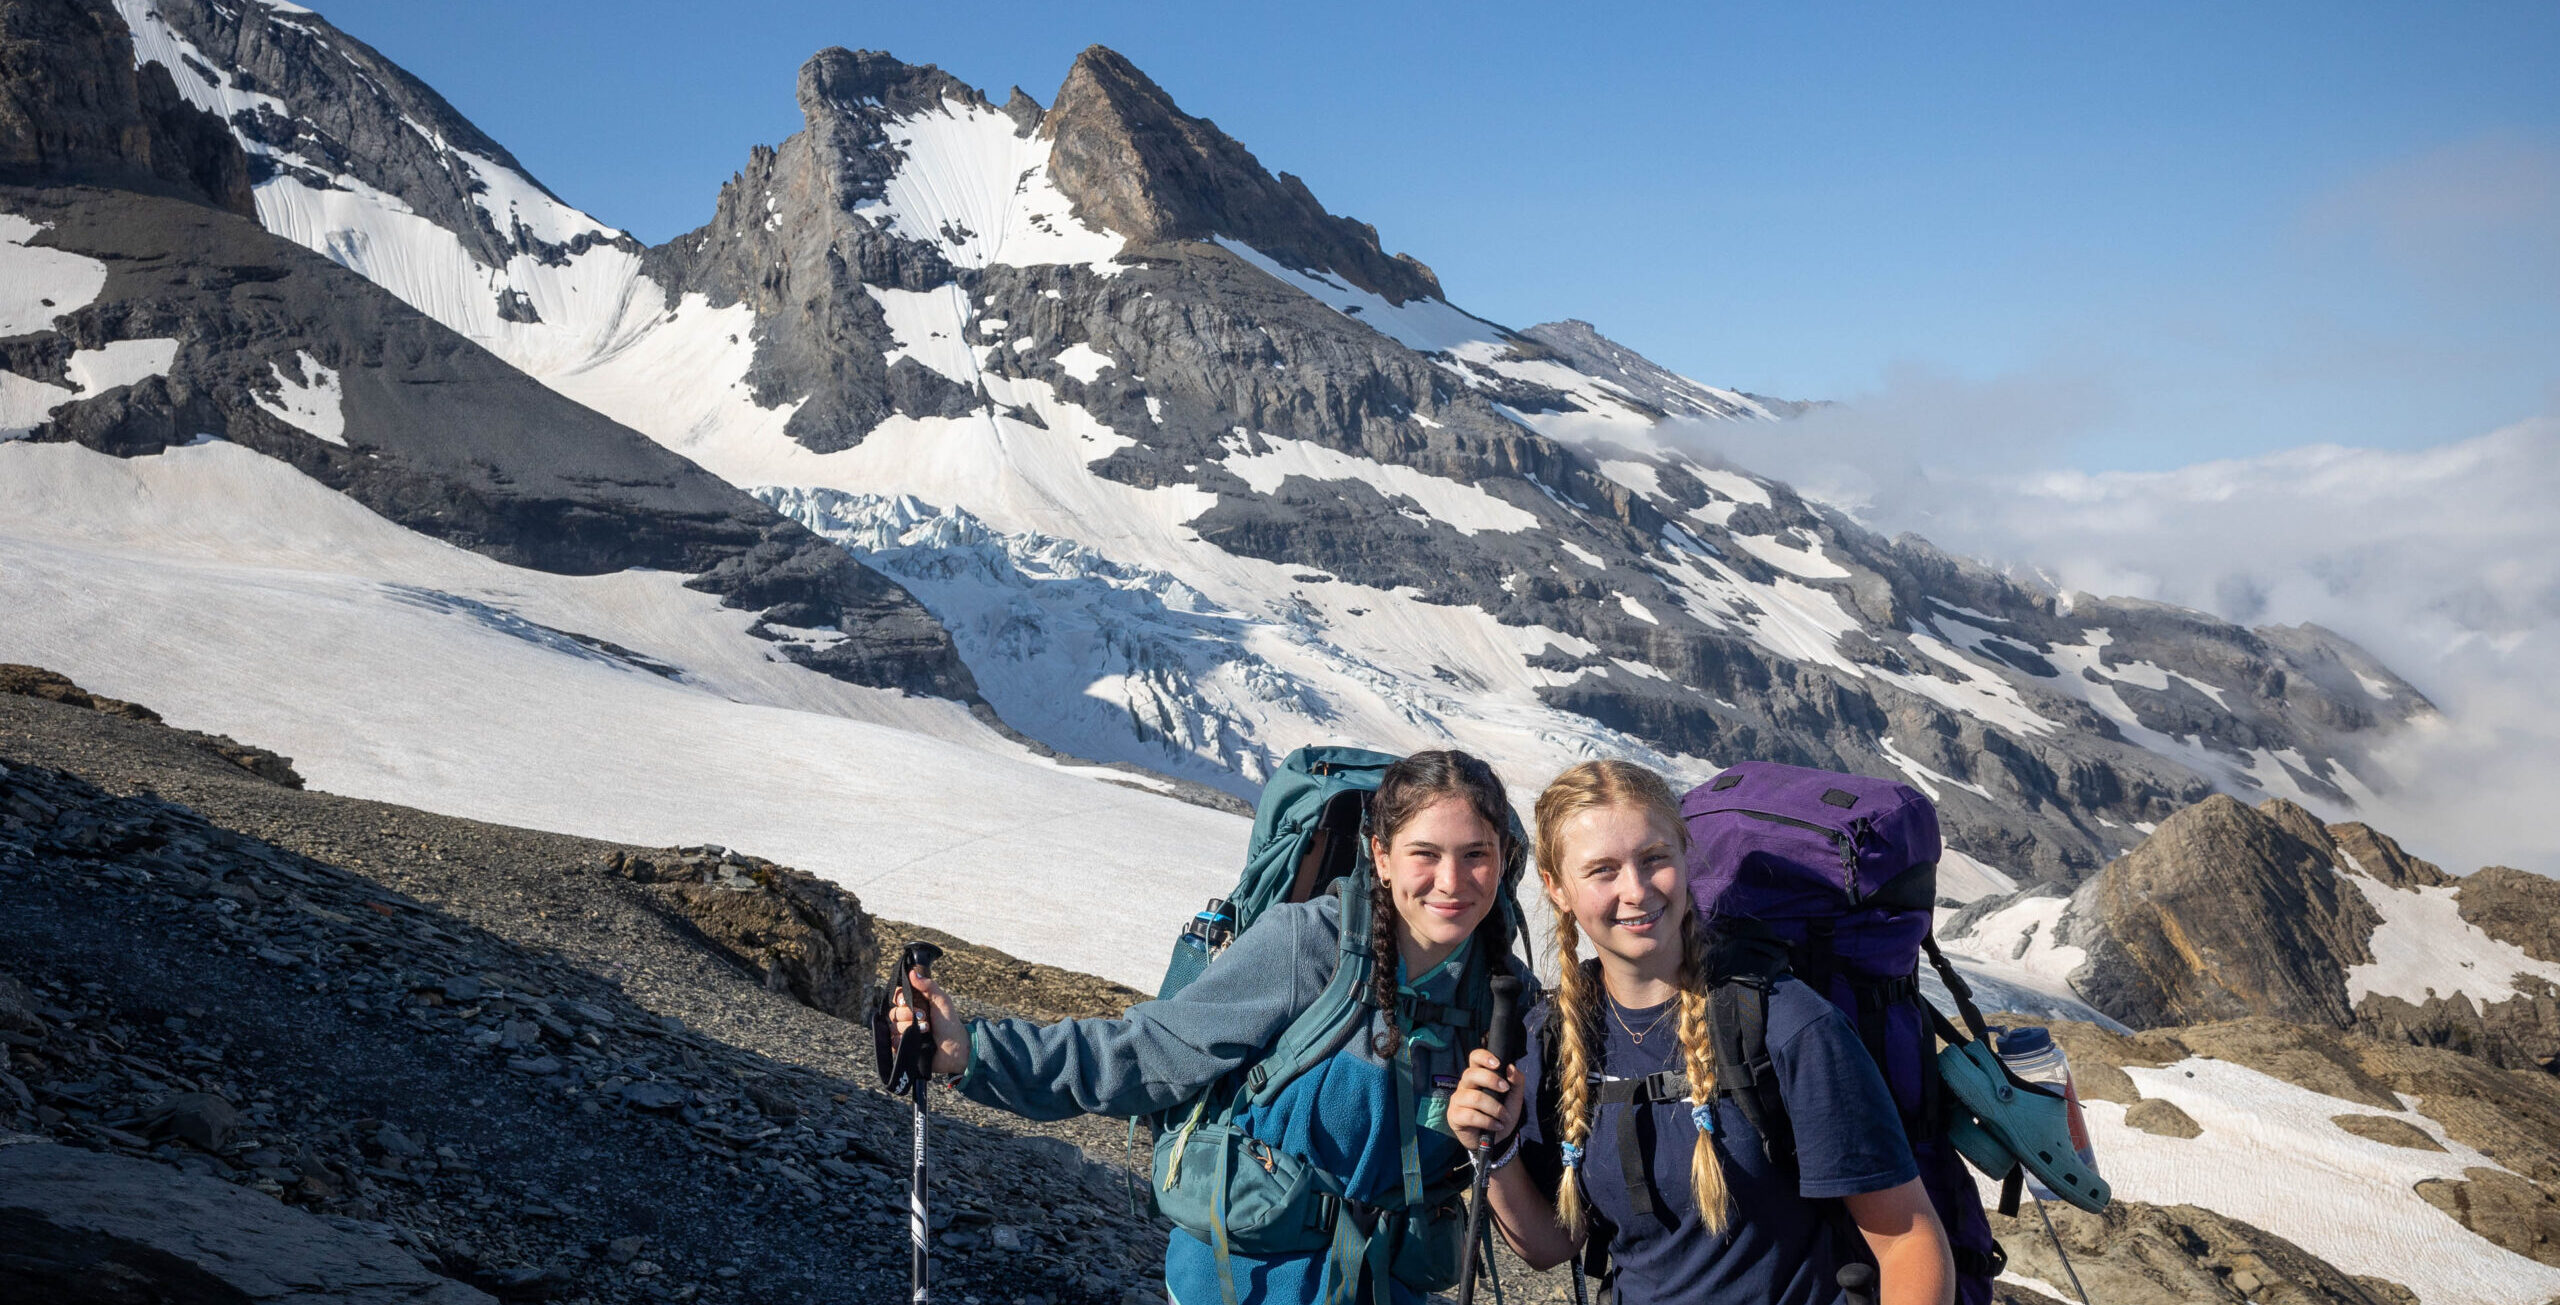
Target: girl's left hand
[1487,1104]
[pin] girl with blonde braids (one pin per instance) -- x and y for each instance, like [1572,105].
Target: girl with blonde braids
[1633,1149]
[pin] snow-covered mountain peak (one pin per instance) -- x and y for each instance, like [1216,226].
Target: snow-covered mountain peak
[1106,331]
[311,104]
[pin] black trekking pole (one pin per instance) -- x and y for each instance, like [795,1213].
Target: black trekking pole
[906,1065]
[1501,1038]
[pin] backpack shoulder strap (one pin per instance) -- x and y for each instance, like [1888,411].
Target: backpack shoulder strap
[1738,1022]
[1339,1010]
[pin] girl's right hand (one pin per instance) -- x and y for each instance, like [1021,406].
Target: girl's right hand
[1486,1107]
[951,1037]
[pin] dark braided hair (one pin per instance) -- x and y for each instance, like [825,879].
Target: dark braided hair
[1404,791]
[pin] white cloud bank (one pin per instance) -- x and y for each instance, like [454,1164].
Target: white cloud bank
[2444,562]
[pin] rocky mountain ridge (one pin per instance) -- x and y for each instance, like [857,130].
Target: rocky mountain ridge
[2227,911]
[252,339]
[1104,325]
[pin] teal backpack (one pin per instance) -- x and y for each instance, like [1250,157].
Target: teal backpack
[1241,1195]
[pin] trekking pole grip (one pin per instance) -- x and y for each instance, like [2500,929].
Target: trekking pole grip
[1505,1033]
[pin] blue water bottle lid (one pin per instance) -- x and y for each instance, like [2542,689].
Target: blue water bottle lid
[2026,1041]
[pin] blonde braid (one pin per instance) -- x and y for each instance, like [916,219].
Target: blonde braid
[1583,787]
[1697,1047]
[1568,1021]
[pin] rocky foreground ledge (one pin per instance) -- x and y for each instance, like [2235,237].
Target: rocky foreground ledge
[303,1046]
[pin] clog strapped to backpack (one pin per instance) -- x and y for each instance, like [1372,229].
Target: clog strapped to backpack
[2008,1127]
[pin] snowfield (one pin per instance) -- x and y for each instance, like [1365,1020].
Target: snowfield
[233,594]
[2270,1155]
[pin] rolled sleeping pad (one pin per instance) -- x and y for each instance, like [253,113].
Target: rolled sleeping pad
[2007,1122]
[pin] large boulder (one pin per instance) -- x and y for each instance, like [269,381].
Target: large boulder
[803,935]
[2223,912]
[2140,1254]
[82,1228]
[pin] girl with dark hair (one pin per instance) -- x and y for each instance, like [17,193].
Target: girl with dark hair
[1374,1116]
[1631,1151]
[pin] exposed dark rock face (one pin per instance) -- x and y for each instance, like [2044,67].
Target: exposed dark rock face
[2221,913]
[73,107]
[1135,164]
[80,1228]
[2225,912]
[2521,1032]
[786,242]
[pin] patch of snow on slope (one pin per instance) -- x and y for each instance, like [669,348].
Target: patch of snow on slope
[1422,325]
[2424,947]
[1923,778]
[26,404]
[113,366]
[1463,507]
[1083,361]
[154,41]
[310,402]
[1642,477]
[234,594]
[513,202]
[588,306]
[1732,484]
[2018,943]
[1962,878]
[2270,1156]
[38,285]
[930,326]
[972,184]
[1808,562]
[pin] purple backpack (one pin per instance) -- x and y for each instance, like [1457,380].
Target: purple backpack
[1843,870]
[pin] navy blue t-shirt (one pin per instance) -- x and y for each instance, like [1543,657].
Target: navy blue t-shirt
[1777,1248]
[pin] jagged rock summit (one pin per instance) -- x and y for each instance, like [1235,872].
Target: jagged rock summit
[1134,163]
[1178,469]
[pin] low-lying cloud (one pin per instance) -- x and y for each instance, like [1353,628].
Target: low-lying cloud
[2443,562]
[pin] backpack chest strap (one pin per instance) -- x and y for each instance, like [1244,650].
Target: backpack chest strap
[1662,1085]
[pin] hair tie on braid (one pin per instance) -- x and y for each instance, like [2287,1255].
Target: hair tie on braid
[1572,1155]
[1703,1115]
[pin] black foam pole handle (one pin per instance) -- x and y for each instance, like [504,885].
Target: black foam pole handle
[1504,1037]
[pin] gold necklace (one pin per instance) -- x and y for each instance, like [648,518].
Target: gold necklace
[1622,1019]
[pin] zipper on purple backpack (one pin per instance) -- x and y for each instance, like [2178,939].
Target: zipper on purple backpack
[1846,843]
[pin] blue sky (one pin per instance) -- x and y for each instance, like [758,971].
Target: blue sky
[2094,237]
